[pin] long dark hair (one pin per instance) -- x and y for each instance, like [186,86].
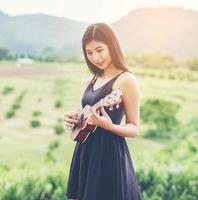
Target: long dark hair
[101,32]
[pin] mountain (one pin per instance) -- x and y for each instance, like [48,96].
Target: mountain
[165,30]
[33,33]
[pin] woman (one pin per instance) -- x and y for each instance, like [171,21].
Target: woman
[101,167]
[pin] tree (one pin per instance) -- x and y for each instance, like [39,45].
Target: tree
[4,53]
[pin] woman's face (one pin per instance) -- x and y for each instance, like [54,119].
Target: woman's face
[98,54]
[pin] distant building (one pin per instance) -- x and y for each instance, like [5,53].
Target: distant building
[24,62]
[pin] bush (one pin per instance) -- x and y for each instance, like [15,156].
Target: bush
[50,184]
[16,106]
[58,104]
[7,90]
[10,114]
[36,113]
[151,60]
[59,129]
[35,123]
[51,148]
[53,145]
[171,185]
[34,186]
[161,115]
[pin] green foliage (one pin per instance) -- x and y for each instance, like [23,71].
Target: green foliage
[149,60]
[182,151]
[184,131]
[162,66]
[173,185]
[59,129]
[59,120]
[35,123]
[172,73]
[20,97]
[53,145]
[7,90]
[75,59]
[4,168]
[34,186]
[179,152]
[49,54]
[51,148]
[4,53]
[161,114]
[10,114]
[51,184]
[16,106]
[36,113]
[194,123]
[58,104]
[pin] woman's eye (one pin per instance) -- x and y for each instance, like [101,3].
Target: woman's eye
[89,53]
[98,51]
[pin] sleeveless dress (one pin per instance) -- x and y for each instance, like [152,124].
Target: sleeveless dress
[101,167]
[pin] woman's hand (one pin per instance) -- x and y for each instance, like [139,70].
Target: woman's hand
[70,118]
[103,121]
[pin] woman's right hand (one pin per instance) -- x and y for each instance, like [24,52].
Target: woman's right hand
[70,118]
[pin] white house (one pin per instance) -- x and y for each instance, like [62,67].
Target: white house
[24,62]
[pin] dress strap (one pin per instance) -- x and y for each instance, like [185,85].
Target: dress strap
[111,80]
[114,79]
[94,79]
[120,74]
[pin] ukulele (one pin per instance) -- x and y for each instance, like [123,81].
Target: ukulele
[82,129]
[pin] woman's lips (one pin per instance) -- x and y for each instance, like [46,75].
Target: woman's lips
[100,63]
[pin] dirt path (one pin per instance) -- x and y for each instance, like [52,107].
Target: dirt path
[29,71]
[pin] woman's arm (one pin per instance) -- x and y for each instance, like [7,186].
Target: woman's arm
[131,101]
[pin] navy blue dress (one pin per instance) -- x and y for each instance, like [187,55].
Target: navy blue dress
[101,167]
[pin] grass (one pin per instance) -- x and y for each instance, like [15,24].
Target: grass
[20,144]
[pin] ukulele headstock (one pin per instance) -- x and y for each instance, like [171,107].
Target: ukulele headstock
[114,98]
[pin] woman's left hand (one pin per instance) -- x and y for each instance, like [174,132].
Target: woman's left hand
[103,121]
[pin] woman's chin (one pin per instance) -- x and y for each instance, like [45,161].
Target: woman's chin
[102,67]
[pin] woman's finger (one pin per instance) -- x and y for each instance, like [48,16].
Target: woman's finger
[70,120]
[71,114]
[69,125]
[94,113]
[89,120]
[104,112]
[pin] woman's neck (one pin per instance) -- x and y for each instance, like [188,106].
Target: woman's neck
[110,72]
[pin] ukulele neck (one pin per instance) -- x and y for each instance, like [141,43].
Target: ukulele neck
[86,110]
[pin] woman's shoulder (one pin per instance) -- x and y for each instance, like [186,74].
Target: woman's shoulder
[125,80]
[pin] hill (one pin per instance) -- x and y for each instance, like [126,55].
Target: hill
[165,30]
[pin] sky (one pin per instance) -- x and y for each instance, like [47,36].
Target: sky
[90,11]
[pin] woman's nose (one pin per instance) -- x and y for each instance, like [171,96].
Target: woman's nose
[95,57]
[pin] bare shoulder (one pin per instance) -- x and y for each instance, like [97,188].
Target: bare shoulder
[126,81]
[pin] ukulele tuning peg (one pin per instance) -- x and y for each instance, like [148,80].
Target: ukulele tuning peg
[117,106]
[111,108]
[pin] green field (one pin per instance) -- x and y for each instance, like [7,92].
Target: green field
[21,145]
